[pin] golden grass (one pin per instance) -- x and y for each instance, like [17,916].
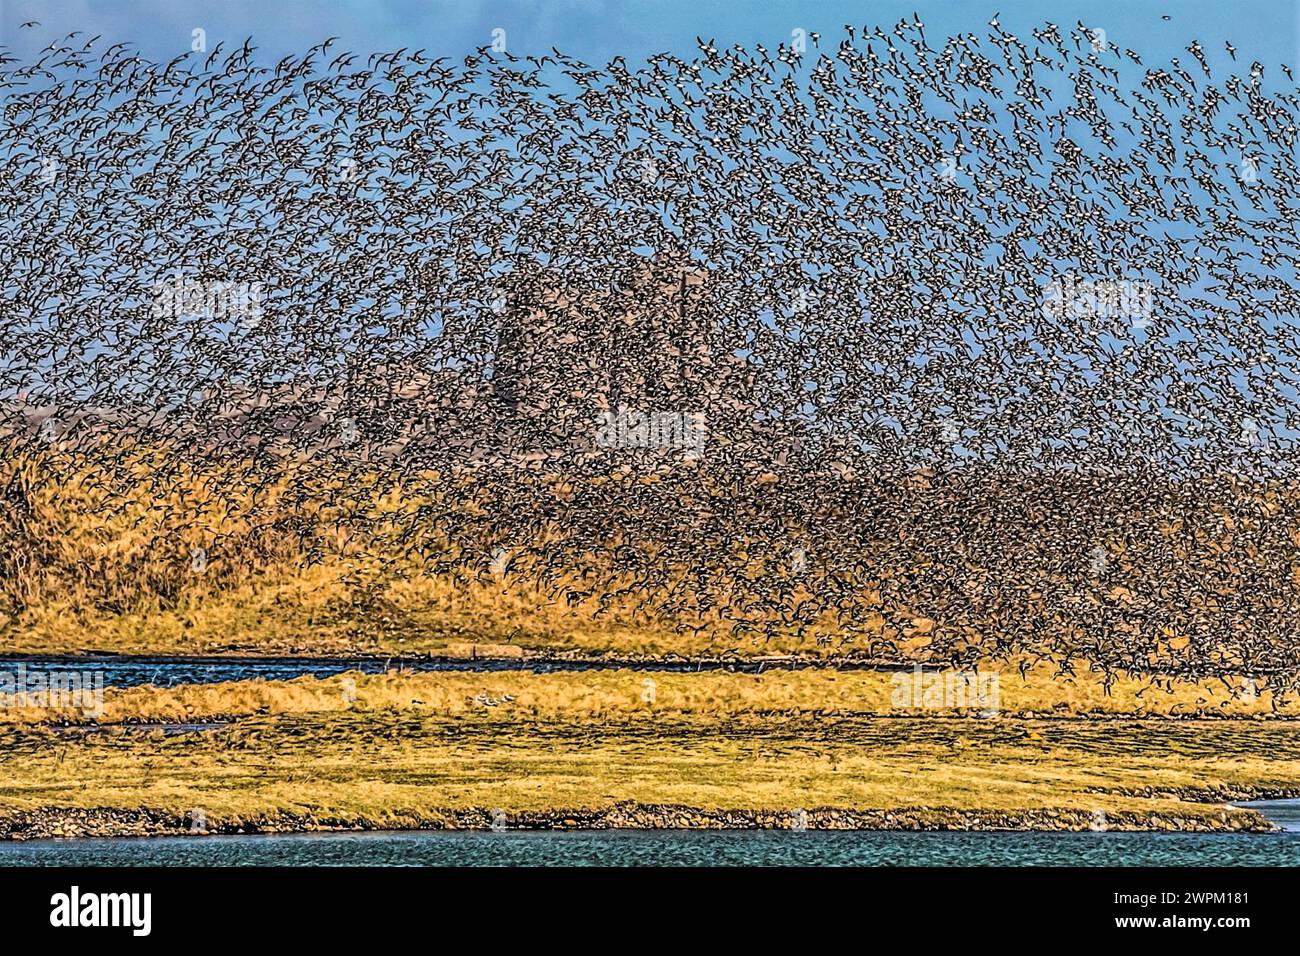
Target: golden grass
[100,558]
[300,613]
[311,556]
[411,747]
[410,765]
[631,694]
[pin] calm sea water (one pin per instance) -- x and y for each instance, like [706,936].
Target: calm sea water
[670,848]
[172,672]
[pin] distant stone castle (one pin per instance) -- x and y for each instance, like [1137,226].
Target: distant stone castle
[628,367]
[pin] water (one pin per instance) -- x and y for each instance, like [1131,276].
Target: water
[1281,813]
[669,848]
[174,671]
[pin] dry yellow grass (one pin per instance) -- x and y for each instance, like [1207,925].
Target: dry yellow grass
[402,749]
[631,694]
[103,560]
[407,766]
[98,552]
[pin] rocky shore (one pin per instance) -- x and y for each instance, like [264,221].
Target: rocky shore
[70,822]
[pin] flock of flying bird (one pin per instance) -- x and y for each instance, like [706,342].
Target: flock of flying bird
[970,325]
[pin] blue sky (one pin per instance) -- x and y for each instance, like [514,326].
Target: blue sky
[595,30]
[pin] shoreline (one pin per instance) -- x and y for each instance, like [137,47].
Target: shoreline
[600,751]
[111,823]
[524,658]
